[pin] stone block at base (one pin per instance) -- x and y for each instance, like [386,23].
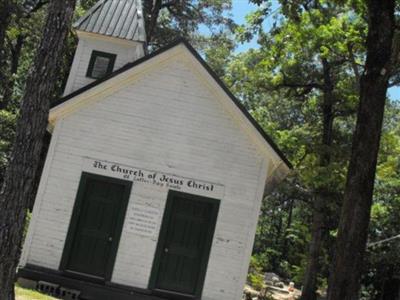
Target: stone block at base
[27,283]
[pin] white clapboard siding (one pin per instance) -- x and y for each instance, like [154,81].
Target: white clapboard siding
[126,51]
[168,121]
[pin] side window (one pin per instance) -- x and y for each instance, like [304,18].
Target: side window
[101,64]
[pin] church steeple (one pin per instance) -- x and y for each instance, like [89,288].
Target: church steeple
[111,34]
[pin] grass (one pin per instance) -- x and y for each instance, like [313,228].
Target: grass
[25,294]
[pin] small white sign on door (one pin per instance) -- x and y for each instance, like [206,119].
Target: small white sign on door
[143,220]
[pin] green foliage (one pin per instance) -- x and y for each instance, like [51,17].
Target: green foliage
[256,281]
[7,127]
[25,28]
[217,51]
[283,232]
[255,277]
[383,261]
[23,36]
[283,84]
[184,19]
[84,5]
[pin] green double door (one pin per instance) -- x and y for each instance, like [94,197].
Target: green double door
[96,226]
[184,244]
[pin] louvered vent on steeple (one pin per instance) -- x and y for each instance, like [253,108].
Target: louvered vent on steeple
[111,34]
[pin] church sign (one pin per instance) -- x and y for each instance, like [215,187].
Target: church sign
[152,177]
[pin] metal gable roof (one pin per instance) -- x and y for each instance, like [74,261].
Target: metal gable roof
[116,18]
[237,102]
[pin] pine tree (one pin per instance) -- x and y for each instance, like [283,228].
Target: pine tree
[31,128]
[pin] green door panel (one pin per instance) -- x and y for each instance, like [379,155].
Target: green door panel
[184,244]
[96,226]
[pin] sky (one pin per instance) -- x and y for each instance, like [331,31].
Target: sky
[242,7]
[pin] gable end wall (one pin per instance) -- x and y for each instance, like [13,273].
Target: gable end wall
[167,121]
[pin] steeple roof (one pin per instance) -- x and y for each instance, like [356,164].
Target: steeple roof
[116,18]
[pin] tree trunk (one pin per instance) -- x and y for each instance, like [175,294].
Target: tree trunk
[317,229]
[313,265]
[355,215]
[31,127]
[154,11]
[284,254]
[391,289]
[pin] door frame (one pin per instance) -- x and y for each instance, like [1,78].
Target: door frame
[73,226]
[162,238]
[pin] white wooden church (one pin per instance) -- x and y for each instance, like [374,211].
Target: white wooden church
[154,177]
